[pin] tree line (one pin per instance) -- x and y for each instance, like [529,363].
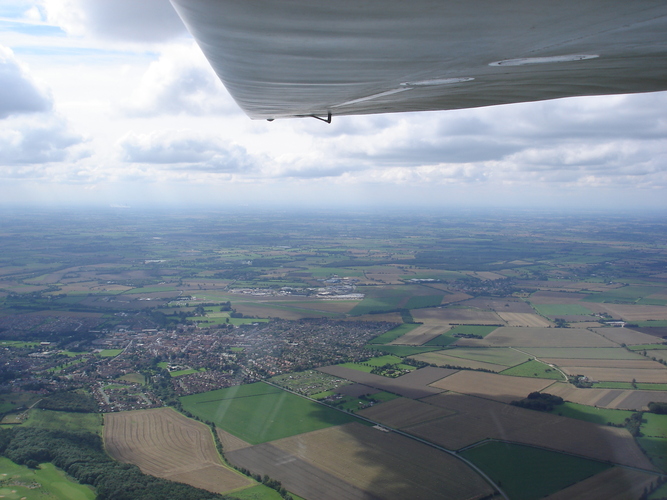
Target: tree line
[82,456]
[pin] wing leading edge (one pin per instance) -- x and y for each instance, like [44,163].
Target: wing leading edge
[287,58]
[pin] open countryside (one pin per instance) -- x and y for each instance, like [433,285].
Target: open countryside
[386,357]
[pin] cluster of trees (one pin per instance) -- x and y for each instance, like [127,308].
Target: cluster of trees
[540,401]
[81,455]
[68,401]
[658,408]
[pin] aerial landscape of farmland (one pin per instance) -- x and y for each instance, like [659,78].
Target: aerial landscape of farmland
[321,356]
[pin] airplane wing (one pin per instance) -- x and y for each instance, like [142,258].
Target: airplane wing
[287,58]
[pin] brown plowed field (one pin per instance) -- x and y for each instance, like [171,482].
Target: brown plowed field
[440,358]
[524,319]
[627,336]
[166,444]
[492,386]
[612,484]
[648,375]
[608,398]
[400,413]
[539,337]
[439,316]
[384,465]
[477,419]
[421,335]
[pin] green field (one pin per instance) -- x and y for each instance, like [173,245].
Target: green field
[134,378]
[449,337]
[368,366]
[496,355]
[561,310]
[527,473]
[394,333]
[151,289]
[110,353]
[17,343]
[402,350]
[258,412]
[65,421]
[441,340]
[259,492]
[481,330]
[582,352]
[600,416]
[656,450]
[655,425]
[46,483]
[179,373]
[424,301]
[13,400]
[658,323]
[534,369]
[391,298]
[647,347]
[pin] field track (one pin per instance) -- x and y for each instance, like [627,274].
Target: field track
[477,419]
[166,444]
[357,462]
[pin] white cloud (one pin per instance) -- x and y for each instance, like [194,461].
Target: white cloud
[128,20]
[19,94]
[185,150]
[38,140]
[180,81]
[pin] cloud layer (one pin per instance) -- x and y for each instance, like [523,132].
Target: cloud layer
[19,93]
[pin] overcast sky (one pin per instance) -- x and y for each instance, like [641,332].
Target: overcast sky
[112,103]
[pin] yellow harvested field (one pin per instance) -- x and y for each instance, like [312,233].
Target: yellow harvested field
[166,444]
[524,319]
[637,364]
[438,316]
[403,412]
[631,312]
[421,335]
[491,385]
[627,336]
[477,419]
[599,374]
[386,465]
[230,442]
[539,337]
[439,358]
[613,484]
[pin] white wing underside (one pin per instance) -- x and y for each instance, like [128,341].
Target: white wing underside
[286,58]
